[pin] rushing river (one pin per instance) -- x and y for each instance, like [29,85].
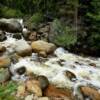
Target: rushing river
[55,67]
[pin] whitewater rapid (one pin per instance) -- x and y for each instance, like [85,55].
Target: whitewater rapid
[56,66]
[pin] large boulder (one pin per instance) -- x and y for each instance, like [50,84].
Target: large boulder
[23,48]
[52,91]
[43,47]
[10,25]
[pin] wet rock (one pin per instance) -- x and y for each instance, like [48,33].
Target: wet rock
[43,54]
[2,36]
[44,29]
[4,62]
[90,92]
[92,64]
[14,58]
[52,91]
[34,87]
[23,48]
[21,70]
[61,62]
[43,36]
[78,63]
[10,25]
[33,36]
[43,81]
[26,33]
[39,36]
[4,75]
[42,46]
[17,36]
[70,75]
[2,48]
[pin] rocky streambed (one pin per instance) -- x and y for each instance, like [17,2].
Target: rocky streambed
[38,70]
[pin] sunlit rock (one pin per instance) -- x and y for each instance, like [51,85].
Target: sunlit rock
[42,46]
[21,90]
[52,91]
[90,92]
[4,62]
[34,87]
[23,48]
[2,48]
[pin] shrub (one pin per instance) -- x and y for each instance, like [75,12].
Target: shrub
[63,35]
[94,40]
[34,20]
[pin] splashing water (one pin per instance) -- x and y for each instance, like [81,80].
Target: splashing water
[54,68]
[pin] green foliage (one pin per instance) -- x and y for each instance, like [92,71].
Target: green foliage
[36,18]
[65,35]
[9,13]
[32,6]
[34,21]
[94,27]
[45,6]
[7,90]
[96,5]
[22,5]
[94,17]
[94,40]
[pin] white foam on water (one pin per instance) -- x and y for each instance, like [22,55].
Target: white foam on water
[55,72]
